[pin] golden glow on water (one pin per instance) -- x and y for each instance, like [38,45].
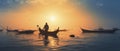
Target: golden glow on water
[53,42]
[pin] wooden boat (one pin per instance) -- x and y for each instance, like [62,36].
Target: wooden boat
[26,32]
[1,30]
[12,30]
[8,30]
[64,30]
[49,33]
[101,30]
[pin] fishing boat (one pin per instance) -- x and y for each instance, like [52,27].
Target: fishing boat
[49,33]
[64,30]
[1,30]
[12,30]
[26,32]
[100,30]
[9,30]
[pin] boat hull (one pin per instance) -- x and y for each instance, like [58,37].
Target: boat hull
[98,31]
[12,30]
[26,32]
[1,30]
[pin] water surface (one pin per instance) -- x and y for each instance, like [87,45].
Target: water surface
[82,42]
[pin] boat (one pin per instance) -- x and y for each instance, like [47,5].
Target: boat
[26,32]
[12,30]
[1,30]
[100,30]
[64,30]
[8,30]
[49,33]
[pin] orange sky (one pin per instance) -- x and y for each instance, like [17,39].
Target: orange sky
[66,15]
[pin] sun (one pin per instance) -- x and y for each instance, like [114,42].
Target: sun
[52,18]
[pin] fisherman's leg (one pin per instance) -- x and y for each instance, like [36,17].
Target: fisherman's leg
[46,41]
[46,37]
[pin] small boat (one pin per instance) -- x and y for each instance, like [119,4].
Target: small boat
[8,30]
[26,32]
[1,30]
[100,30]
[48,33]
[12,30]
[64,30]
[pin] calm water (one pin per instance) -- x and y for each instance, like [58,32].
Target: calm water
[82,42]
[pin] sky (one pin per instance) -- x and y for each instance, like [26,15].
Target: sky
[107,11]
[77,13]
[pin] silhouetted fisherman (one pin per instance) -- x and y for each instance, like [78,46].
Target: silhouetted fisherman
[46,27]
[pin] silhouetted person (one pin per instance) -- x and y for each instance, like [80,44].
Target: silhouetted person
[46,27]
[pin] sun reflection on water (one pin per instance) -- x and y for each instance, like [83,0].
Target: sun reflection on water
[54,42]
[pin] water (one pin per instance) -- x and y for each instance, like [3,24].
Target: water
[82,42]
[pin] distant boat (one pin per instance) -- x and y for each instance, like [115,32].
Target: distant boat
[1,30]
[8,30]
[26,32]
[12,30]
[100,30]
[64,30]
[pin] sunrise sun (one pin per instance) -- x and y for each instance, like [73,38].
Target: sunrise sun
[52,18]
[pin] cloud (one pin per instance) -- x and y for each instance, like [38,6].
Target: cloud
[8,4]
[11,4]
[47,1]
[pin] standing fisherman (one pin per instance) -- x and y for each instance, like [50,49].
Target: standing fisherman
[46,27]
